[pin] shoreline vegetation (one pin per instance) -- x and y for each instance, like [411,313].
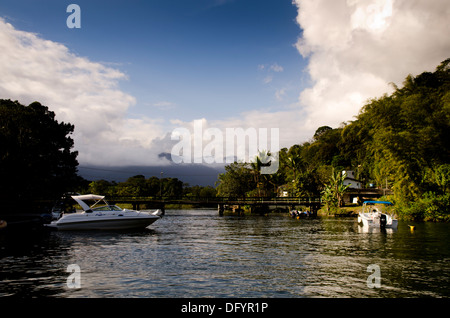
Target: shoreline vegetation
[397,142]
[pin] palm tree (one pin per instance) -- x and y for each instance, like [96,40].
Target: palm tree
[262,159]
[333,193]
[340,187]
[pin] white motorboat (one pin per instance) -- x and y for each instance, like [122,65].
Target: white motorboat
[104,217]
[374,214]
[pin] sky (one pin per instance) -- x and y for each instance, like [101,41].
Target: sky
[135,71]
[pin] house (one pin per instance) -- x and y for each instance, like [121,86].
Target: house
[350,179]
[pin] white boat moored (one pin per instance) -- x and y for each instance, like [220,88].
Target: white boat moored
[374,214]
[104,217]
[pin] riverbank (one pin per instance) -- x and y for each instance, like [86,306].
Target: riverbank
[347,211]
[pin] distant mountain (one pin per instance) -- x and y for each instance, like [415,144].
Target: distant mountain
[193,174]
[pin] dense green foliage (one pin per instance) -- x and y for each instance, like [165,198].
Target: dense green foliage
[399,141]
[406,143]
[36,161]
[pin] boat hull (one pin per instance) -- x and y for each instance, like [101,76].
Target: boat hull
[369,221]
[122,223]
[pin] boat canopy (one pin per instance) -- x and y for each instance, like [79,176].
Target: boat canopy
[378,202]
[87,197]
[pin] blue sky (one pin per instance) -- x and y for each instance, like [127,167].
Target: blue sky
[198,58]
[137,70]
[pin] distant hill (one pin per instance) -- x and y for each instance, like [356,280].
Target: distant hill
[193,174]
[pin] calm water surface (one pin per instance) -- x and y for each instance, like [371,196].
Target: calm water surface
[196,253]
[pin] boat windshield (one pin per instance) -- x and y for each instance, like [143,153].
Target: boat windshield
[107,208]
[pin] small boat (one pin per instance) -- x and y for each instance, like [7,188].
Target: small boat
[374,214]
[299,214]
[103,217]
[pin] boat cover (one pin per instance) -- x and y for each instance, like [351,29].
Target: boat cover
[378,202]
[81,198]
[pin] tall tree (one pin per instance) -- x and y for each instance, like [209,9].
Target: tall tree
[236,181]
[36,160]
[398,138]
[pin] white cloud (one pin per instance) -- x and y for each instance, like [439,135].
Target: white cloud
[280,93]
[164,105]
[276,68]
[356,48]
[79,91]
[268,79]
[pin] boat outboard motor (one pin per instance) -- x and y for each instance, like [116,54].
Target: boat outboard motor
[383,220]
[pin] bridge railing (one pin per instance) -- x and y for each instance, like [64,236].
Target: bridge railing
[224,200]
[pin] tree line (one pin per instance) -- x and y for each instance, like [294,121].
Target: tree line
[398,141]
[139,186]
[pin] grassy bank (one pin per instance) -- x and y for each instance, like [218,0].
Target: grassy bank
[347,211]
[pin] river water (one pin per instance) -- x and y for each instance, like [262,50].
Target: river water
[197,253]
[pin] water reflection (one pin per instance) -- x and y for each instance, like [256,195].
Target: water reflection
[29,264]
[199,254]
[375,229]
